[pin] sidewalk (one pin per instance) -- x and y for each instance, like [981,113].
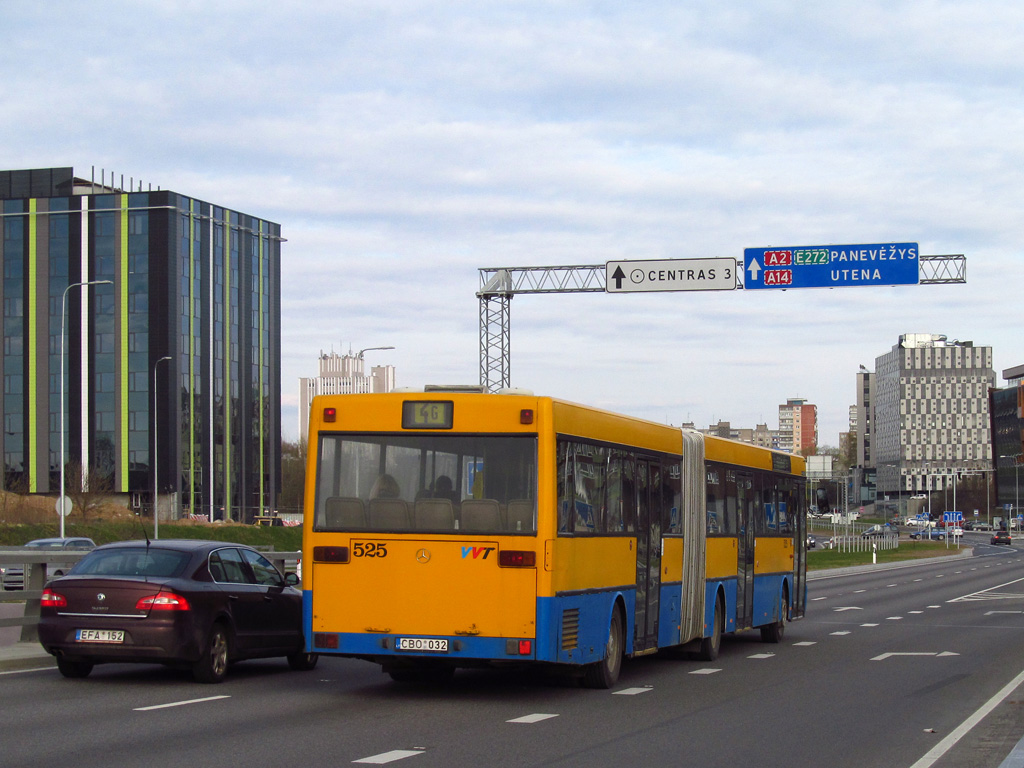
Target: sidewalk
[24,656]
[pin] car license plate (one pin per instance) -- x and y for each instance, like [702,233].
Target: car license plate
[423,644]
[99,636]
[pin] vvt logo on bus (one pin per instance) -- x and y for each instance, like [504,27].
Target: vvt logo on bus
[477,552]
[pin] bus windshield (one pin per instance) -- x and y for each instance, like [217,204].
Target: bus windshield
[427,482]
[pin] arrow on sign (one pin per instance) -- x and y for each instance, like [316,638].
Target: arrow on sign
[754,269]
[885,656]
[618,276]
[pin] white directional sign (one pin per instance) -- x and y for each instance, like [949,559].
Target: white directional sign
[670,275]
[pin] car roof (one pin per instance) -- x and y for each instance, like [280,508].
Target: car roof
[184,545]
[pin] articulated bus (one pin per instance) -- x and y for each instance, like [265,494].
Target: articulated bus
[452,528]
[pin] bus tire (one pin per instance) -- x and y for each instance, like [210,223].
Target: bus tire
[773,633]
[710,646]
[605,673]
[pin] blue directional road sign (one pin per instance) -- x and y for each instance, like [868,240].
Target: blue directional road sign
[831,266]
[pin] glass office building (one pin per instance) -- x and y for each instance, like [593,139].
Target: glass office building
[186,295]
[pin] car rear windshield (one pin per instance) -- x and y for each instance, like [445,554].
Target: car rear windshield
[132,561]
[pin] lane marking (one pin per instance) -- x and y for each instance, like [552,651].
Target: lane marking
[869,625]
[940,749]
[992,593]
[806,642]
[535,718]
[633,691]
[761,656]
[848,608]
[390,757]
[179,703]
[23,671]
[885,656]
[706,671]
[841,632]
[815,599]
[894,618]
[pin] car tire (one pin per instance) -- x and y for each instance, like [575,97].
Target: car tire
[302,661]
[212,665]
[74,669]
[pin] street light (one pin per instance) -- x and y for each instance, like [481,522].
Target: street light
[1016,480]
[61,511]
[156,498]
[360,355]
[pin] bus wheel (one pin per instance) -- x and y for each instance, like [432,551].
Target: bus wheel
[773,633]
[710,646]
[605,673]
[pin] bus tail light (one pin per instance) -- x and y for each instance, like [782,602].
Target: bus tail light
[515,558]
[325,640]
[330,415]
[526,416]
[330,554]
[518,647]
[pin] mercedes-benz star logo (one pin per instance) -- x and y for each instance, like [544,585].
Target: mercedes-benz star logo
[423,556]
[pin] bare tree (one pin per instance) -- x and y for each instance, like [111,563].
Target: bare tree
[88,488]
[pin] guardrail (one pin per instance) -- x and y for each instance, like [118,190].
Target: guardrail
[36,563]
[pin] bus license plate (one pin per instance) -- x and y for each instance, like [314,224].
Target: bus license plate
[99,636]
[423,644]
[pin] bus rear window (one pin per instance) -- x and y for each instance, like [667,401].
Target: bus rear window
[427,482]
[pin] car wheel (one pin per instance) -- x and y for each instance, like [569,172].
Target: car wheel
[74,669]
[302,661]
[212,665]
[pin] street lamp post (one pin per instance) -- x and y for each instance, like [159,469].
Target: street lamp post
[156,497]
[1016,481]
[61,511]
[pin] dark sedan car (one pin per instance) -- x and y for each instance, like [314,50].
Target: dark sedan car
[196,604]
[1001,537]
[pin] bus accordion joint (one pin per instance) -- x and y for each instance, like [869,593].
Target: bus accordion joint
[330,554]
[515,558]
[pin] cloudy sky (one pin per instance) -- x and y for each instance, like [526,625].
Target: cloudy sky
[403,146]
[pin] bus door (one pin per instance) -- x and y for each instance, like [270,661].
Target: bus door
[649,511]
[745,550]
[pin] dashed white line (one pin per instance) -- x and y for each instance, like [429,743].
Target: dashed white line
[633,691]
[390,757]
[534,718]
[806,642]
[705,671]
[179,703]
[761,656]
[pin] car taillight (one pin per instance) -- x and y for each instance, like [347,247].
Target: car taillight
[163,601]
[51,599]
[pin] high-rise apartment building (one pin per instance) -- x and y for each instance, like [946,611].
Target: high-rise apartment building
[341,375]
[798,425]
[931,414]
[123,290]
[1007,407]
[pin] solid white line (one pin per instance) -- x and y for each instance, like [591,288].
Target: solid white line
[22,671]
[389,757]
[179,703]
[964,728]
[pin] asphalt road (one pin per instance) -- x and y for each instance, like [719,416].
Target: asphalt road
[883,671]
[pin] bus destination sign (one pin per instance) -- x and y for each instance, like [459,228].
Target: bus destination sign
[831,266]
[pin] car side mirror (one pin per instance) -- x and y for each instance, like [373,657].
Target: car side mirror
[291,580]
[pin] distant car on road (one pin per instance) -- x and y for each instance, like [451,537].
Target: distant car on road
[13,576]
[811,542]
[1001,537]
[929,533]
[201,605]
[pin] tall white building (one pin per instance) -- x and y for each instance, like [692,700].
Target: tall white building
[931,412]
[341,375]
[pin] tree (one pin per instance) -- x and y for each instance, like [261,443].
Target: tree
[293,476]
[87,488]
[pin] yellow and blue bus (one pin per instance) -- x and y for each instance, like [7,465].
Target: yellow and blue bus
[453,528]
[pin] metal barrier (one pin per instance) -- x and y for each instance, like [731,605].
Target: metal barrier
[36,562]
[853,537]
